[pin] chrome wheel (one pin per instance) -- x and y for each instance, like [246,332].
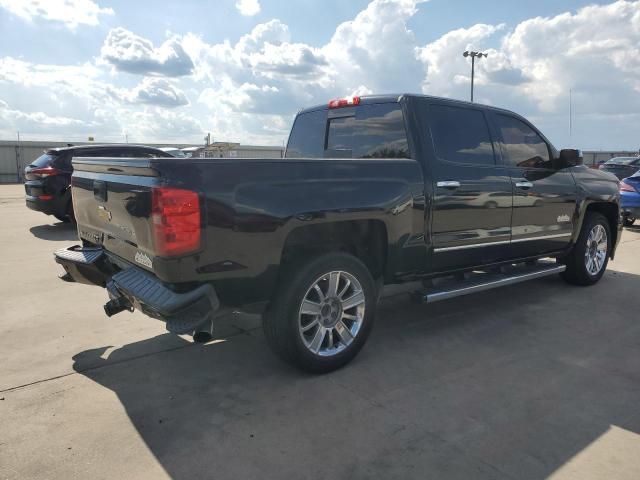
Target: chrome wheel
[595,254]
[331,313]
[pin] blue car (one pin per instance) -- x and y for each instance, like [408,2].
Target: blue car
[630,199]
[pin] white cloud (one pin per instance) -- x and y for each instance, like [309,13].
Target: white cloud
[160,125]
[376,48]
[38,118]
[248,7]
[447,71]
[249,90]
[70,13]
[157,91]
[132,53]
[78,103]
[592,52]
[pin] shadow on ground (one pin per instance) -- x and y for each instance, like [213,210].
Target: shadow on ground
[512,383]
[57,231]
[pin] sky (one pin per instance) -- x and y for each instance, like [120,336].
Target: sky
[171,72]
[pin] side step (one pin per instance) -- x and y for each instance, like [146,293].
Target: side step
[479,281]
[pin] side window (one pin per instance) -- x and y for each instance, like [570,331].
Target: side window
[124,153]
[150,153]
[307,135]
[522,145]
[375,131]
[461,135]
[98,153]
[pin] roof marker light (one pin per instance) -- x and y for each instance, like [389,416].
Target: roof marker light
[344,102]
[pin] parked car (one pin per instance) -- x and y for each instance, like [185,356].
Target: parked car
[173,151]
[372,190]
[630,199]
[190,151]
[48,178]
[622,167]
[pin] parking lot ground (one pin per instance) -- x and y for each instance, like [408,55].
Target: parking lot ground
[532,381]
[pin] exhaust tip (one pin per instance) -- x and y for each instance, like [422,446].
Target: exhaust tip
[202,337]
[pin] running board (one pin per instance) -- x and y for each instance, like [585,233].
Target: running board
[479,281]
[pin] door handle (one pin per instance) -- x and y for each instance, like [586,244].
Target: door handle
[451,184]
[524,185]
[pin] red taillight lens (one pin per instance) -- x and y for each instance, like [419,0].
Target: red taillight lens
[344,102]
[45,197]
[625,187]
[45,172]
[176,221]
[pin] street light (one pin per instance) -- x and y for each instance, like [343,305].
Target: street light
[473,56]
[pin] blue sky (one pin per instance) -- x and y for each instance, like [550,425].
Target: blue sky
[240,69]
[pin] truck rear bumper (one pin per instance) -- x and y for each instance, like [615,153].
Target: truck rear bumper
[132,287]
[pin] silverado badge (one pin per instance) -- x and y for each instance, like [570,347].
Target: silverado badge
[143,259]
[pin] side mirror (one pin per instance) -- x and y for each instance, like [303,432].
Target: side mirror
[570,158]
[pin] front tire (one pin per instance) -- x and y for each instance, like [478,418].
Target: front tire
[589,257]
[628,220]
[322,312]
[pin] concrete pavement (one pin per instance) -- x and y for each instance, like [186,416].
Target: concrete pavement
[532,381]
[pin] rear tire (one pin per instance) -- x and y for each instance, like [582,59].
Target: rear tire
[309,324]
[589,257]
[628,221]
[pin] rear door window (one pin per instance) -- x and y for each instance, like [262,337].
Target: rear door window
[375,131]
[461,135]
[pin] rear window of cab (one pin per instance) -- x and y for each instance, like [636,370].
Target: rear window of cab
[365,131]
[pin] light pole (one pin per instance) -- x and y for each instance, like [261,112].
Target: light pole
[473,56]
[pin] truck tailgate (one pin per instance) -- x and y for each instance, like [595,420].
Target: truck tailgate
[113,205]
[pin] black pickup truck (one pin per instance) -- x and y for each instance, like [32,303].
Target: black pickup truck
[372,190]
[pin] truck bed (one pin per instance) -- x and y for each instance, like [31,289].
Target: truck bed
[248,207]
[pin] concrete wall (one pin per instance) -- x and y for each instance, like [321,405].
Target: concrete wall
[15,157]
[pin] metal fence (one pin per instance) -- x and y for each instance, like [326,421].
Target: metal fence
[15,156]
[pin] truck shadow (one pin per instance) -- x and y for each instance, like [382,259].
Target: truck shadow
[56,231]
[512,383]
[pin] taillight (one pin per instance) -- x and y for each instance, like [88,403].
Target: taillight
[176,221]
[344,102]
[45,172]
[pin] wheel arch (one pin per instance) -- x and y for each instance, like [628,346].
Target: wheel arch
[611,212]
[365,239]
